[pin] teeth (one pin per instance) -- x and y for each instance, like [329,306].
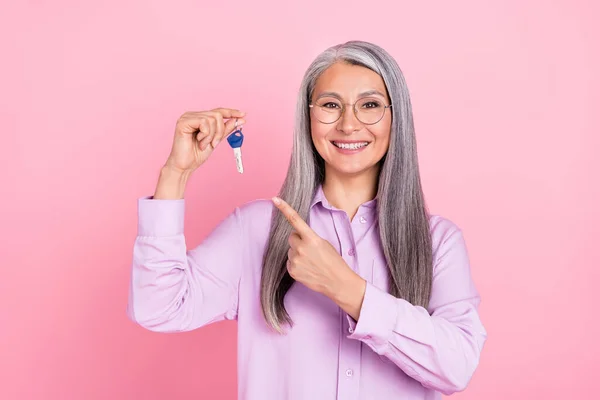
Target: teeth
[350,146]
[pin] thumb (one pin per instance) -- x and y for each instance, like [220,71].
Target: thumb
[233,124]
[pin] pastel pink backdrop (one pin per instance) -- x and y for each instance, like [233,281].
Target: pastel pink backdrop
[505,97]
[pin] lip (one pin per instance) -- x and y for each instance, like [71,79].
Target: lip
[350,151]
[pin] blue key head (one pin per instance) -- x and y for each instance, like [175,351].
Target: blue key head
[235,139]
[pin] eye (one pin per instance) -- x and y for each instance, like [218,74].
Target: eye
[371,104]
[330,104]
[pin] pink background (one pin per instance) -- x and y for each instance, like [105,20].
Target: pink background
[505,95]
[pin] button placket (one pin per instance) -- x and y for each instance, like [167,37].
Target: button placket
[345,234]
[349,369]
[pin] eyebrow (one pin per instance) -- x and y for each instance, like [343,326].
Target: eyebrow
[363,94]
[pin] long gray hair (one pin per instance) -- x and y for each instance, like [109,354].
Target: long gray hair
[402,214]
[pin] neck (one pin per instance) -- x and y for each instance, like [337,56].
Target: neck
[348,192]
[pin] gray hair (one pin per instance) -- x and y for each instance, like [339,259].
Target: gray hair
[402,213]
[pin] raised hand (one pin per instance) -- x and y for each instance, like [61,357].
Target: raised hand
[198,133]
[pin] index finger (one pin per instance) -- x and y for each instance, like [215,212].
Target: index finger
[292,216]
[230,112]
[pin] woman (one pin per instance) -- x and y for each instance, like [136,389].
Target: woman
[344,287]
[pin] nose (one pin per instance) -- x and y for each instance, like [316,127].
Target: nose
[348,123]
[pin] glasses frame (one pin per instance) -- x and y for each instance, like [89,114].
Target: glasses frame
[312,105]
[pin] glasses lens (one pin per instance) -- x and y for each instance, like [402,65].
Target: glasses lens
[328,110]
[369,110]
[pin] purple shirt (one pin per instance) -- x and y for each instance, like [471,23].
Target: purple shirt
[394,351]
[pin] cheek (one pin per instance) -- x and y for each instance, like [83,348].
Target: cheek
[318,134]
[385,141]
[382,137]
[317,130]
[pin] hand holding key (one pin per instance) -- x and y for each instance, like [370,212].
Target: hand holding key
[198,133]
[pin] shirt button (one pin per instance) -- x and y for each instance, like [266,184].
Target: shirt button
[363,220]
[348,372]
[351,252]
[350,329]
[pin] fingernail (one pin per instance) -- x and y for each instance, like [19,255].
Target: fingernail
[276,200]
[216,142]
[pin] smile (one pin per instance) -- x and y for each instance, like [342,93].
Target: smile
[350,145]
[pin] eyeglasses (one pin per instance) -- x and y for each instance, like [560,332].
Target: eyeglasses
[369,111]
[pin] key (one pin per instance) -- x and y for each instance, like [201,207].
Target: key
[235,141]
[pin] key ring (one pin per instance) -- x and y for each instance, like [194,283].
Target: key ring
[235,128]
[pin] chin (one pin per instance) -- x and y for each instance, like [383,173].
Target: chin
[352,169]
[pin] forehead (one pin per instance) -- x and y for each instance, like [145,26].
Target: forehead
[349,80]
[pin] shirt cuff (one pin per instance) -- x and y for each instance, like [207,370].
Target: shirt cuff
[160,218]
[377,319]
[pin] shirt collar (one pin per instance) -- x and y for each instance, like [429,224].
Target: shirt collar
[320,198]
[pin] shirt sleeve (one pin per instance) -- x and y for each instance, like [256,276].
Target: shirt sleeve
[439,348]
[175,289]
